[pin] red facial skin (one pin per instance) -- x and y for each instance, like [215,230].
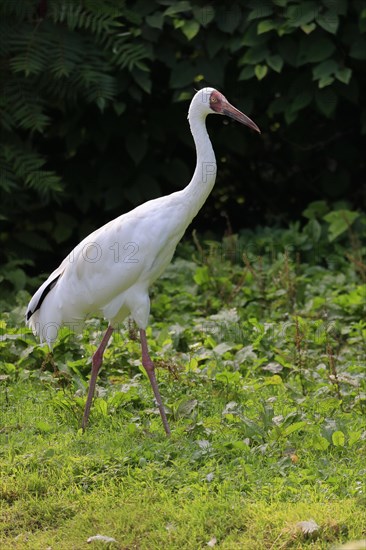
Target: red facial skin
[219,104]
[216,101]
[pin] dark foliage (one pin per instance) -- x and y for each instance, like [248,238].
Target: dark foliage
[93,101]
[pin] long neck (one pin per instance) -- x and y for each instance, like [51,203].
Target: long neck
[203,180]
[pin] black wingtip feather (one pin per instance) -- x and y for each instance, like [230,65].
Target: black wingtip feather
[43,296]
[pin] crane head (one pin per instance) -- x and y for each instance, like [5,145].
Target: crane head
[220,105]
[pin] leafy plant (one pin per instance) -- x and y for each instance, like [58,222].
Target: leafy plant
[88,92]
[259,347]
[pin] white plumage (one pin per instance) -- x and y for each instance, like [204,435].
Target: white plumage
[109,273]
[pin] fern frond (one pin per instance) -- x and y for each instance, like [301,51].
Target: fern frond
[96,17]
[30,50]
[129,54]
[59,91]
[23,167]
[44,182]
[22,161]
[68,48]
[21,106]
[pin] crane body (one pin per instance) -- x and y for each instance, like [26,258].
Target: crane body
[109,273]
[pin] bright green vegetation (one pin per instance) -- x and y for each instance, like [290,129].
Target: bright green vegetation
[260,344]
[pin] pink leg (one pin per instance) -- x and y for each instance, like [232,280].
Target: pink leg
[96,364]
[150,369]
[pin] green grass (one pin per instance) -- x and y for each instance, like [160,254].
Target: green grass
[60,487]
[261,367]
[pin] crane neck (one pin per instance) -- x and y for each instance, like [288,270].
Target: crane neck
[203,180]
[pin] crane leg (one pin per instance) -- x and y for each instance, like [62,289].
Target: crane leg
[96,364]
[150,369]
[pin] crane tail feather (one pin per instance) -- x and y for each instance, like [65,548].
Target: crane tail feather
[32,308]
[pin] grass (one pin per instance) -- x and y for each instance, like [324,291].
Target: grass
[146,491]
[261,367]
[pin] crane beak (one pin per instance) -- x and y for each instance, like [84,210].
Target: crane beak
[234,113]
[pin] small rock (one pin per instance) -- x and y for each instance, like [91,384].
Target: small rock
[101,538]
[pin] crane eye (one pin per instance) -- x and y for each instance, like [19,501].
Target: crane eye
[213,99]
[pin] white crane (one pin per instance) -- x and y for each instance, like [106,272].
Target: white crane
[109,273]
